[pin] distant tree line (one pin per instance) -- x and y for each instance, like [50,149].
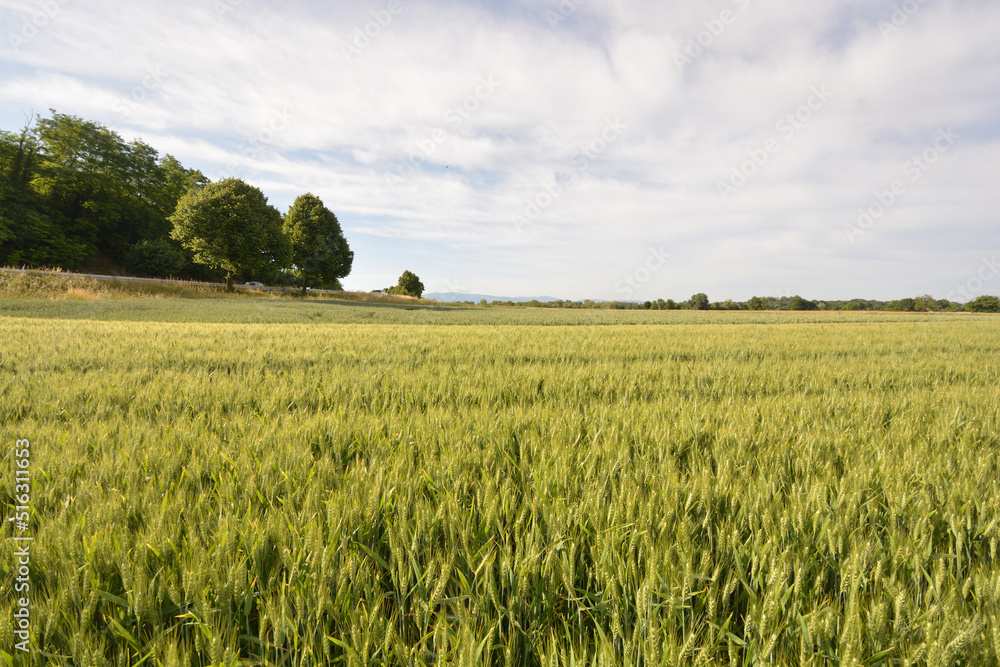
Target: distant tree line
[700,301]
[76,195]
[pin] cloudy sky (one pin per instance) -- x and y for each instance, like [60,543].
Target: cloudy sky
[606,149]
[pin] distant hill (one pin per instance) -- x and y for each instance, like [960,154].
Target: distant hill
[476,298]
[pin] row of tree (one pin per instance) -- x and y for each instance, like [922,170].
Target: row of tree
[230,227]
[76,195]
[700,301]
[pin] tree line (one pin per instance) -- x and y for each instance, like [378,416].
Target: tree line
[700,301]
[76,195]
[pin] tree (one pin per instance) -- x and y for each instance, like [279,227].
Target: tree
[99,188]
[984,304]
[319,249]
[229,225]
[902,305]
[409,284]
[74,191]
[699,301]
[757,303]
[926,303]
[157,259]
[27,235]
[798,303]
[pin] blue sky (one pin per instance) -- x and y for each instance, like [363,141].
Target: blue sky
[577,148]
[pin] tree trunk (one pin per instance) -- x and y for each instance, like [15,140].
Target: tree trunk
[229,283]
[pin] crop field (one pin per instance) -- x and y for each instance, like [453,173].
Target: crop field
[226,482]
[319,311]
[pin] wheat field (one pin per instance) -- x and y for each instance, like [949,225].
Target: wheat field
[739,491]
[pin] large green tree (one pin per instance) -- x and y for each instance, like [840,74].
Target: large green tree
[74,192]
[28,235]
[102,190]
[319,250]
[229,226]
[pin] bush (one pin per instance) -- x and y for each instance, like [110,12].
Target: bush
[798,303]
[984,304]
[155,259]
[409,285]
[699,301]
[904,305]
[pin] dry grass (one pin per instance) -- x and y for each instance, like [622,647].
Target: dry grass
[57,285]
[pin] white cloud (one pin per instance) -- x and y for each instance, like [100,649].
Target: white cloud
[355,111]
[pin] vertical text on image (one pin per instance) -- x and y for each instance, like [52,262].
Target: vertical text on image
[22,543]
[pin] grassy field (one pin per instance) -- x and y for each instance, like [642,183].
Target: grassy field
[226,481]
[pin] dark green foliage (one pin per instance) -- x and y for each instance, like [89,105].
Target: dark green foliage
[38,241]
[699,301]
[926,303]
[984,304]
[73,190]
[6,229]
[798,303]
[27,234]
[901,305]
[409,285]
[230,226]
[320,253]
[157,258]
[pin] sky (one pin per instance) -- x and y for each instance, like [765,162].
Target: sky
[603,149]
